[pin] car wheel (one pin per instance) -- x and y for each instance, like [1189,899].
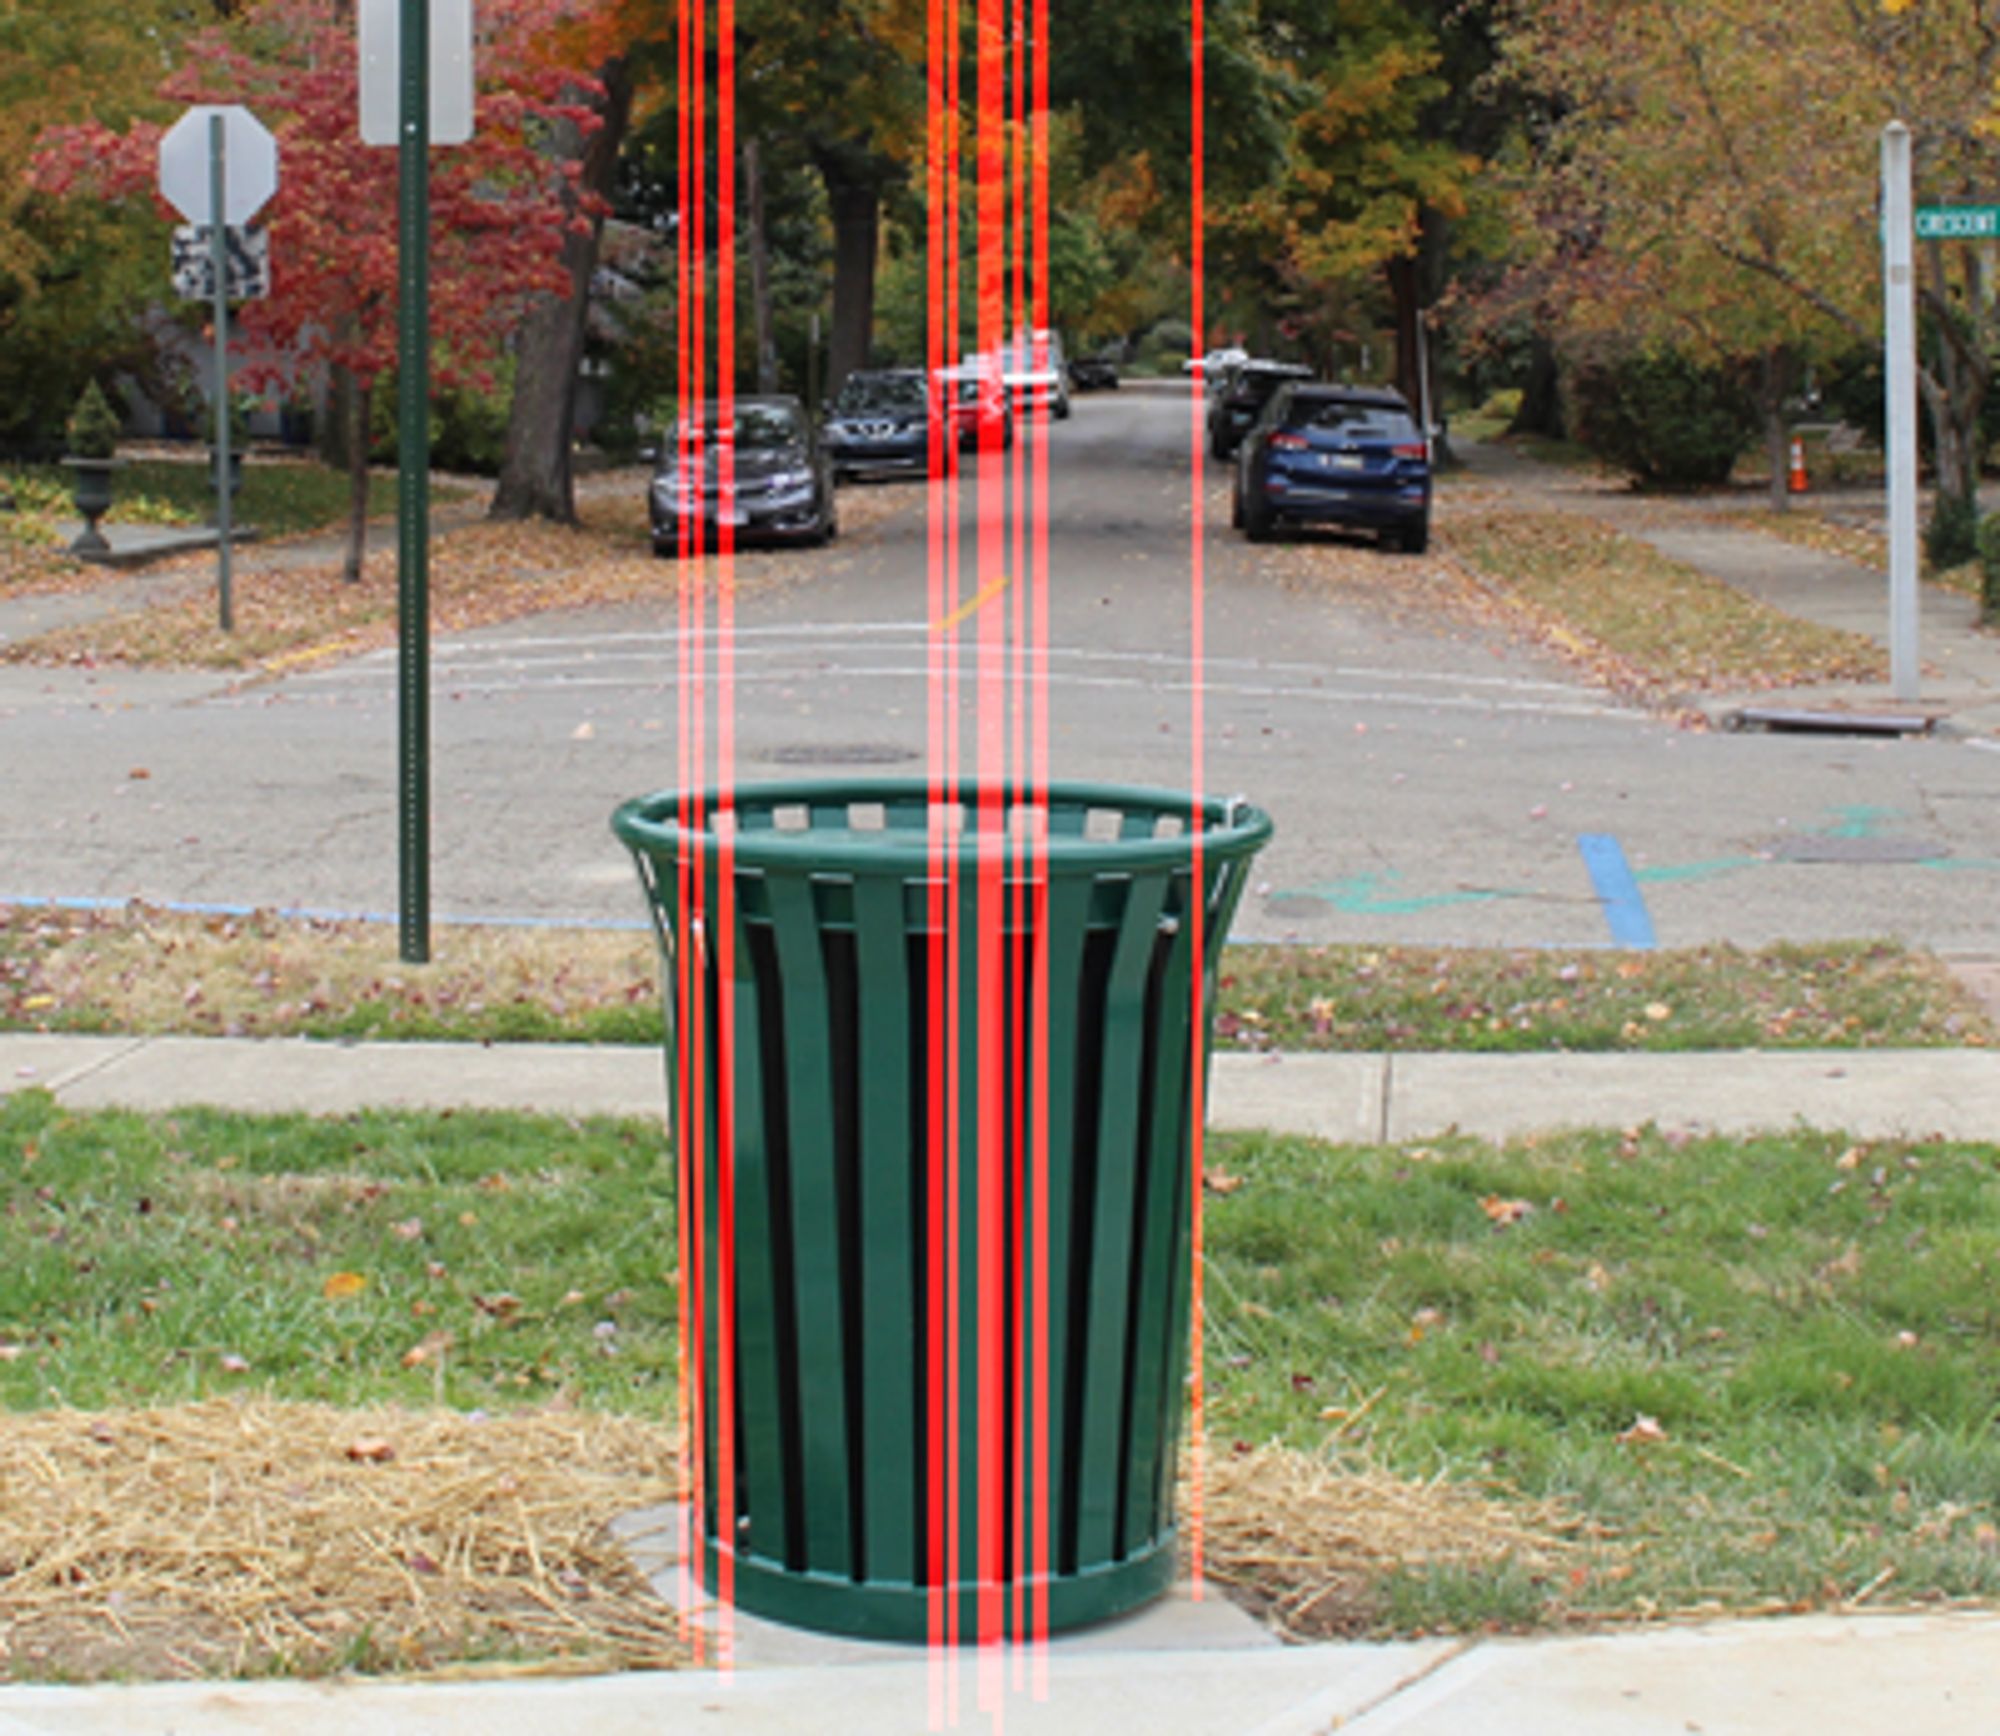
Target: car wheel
[1416,537]
[1236,505]
[1216,448]
[1062,408]
[1258,522]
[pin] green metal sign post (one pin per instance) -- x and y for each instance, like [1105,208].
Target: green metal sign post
[218,237]
[413,446]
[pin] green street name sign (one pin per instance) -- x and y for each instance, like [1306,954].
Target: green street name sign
[1958,222]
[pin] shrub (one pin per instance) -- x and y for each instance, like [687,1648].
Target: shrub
[468,425]
[1952,536]
[93,425]
[1666,420]
[1989,569]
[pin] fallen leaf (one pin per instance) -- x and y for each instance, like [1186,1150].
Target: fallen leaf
[431,1345]
[371,1450]
[1216,1182]
[341,1285]
[1644,1428]
[231,1363]
[1504,1213]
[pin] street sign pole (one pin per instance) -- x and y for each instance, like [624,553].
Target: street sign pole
[1900,373]
[413,479]
[218,187]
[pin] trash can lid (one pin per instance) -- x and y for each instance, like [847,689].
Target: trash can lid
[899,825]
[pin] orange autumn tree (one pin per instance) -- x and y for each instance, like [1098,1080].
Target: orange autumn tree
[500,209]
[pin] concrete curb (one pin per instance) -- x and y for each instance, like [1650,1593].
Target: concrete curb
[1347,1098]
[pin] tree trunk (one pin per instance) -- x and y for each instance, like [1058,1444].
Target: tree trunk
[1776,387]
[857,210]
[536,479]
[755,239]
[1403,296]
[359,396]
[1541,393]
[1955,390]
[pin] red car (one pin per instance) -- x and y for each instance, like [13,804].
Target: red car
[975,397]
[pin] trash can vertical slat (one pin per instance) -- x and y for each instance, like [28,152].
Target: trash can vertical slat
[820,1374]
[1166,1181]
[760,1364]
[888,1268]
[1061,940]
[1109,1304]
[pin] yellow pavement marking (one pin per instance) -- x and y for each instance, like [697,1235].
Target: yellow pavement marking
[972,605]
[284,659]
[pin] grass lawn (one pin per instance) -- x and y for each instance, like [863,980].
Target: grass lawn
[1746,1375]
[1761,1373]
[1643,622]
[144,970]
[280,496]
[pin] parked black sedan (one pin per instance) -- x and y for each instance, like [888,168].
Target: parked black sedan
[880,424]
[1335,455]
[762,471]
[1094,373]
[1241,397]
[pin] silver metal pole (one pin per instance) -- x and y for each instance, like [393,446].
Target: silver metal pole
[218,261]
[1899,321]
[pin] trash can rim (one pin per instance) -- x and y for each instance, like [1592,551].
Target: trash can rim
[1234,826]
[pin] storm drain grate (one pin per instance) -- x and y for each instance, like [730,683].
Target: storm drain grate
[840,753]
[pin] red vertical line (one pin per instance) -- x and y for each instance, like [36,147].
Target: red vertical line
[943,458]
[990,749]
[685,973]
[1017,912]
[1197,890]
[725,864]
[941,509]
[1038,649]
[954,912]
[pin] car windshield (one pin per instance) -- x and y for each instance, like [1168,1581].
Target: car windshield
[1351,420]
[758,427]
[897,392]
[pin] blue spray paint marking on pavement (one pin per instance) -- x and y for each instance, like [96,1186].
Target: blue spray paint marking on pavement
[1624,905]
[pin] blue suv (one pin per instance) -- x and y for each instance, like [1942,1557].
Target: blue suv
[1350,457]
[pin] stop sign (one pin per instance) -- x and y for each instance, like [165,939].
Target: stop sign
[250,168]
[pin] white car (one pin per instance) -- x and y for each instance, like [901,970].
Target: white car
[1036,373]
[1211,367]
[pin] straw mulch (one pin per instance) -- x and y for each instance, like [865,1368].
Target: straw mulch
[233,1538]
[1302,1539]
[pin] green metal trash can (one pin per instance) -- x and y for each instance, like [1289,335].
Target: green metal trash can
[956,1351]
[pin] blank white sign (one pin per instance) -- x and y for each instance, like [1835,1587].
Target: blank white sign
[381,24]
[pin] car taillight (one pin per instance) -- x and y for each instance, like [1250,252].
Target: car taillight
[1411,449]
[1289,443]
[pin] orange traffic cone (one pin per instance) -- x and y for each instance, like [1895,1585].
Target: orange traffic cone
[1798,477]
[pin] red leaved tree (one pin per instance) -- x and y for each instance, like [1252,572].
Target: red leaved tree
[499,208]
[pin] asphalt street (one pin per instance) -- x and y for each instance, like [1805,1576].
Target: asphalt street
[1433,779]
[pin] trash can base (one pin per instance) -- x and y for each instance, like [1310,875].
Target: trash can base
[901,1611]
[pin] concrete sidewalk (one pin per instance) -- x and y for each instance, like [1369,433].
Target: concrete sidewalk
[1178,1669]
[1808,1676]
[1362,1098]
[1959,688]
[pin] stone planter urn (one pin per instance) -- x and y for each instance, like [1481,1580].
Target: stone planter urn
[90,489]
[93,441]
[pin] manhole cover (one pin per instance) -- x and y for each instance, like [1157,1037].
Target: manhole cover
[840,753]
[1857,850]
